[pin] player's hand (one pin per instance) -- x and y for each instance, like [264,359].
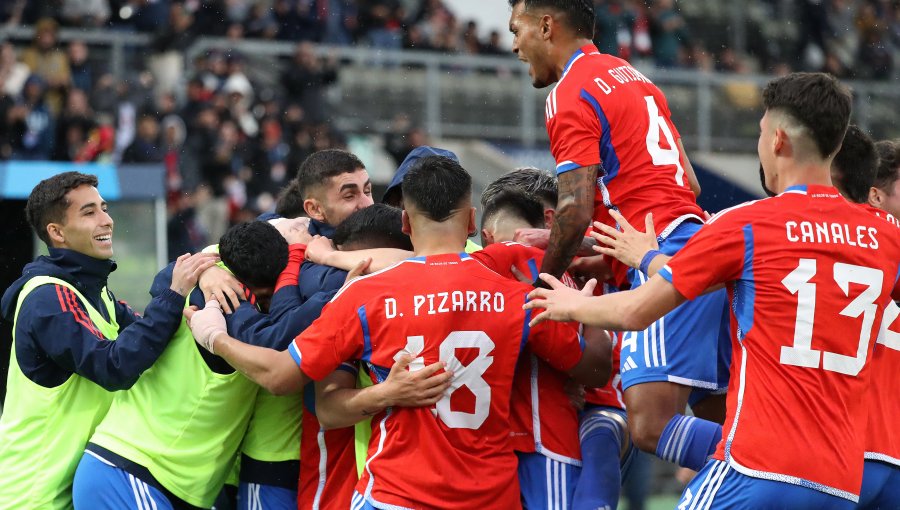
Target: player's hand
[576,393]
[420,388]
[220,285]
[628,245]
[583,269]
[537,237]
[318,249]
[206,324]
[559,303]
[294,231]
[188,269]
[520,275]
[360,269]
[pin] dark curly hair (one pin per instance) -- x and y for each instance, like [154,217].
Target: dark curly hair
[255,252]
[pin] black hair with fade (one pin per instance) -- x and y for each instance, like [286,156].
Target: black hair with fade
[855,164]
[376,226]
[818,101]
[516,202]
[888,165]
[290,201]
[320,166]
[534,181]
[436,186]
[255,252]
[47,202]
[579,14]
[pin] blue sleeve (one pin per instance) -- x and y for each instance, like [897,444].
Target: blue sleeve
[317,278]
[61,330]
[162,280]
[276,331]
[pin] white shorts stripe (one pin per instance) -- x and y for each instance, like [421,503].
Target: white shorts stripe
[137,495]
[702,487]
[712,494]
[718,472]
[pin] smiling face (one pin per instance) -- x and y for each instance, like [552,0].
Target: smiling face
[531,44]
[341,196]
[87,227]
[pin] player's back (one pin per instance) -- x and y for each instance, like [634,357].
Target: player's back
[807,301]
[641,167]
[448,308]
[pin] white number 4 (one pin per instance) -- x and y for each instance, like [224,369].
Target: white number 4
[660,156]
[802,354]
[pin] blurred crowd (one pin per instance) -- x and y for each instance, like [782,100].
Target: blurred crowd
[229,142]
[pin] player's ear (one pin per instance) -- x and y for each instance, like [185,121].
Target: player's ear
[487,238]
[55,231]
[546,26]
[472,225]
[314,209]
[779,140]
[549,214]
[405,227]
[875,198]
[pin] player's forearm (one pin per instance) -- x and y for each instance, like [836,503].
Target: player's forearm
[573,215]
[345,407]
[381,258]
[265,367]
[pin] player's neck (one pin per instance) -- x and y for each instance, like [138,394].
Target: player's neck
[565,52]
[805,175]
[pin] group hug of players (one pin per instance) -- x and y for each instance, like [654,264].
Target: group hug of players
[345,354]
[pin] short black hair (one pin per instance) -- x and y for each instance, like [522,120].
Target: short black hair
[255,252]
[818,101]
[534,181]
[436,186]
[47,202]
[376,226]
[290,201]
[888,164]
[579,14]
[516,202]
[321,166]
[855,164]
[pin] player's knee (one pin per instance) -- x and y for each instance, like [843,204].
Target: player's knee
[646,431]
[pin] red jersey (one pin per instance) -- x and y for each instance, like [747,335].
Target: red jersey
[446,308]
[882,439]
[542,420]
[604,112]
[327,460]
[808,276]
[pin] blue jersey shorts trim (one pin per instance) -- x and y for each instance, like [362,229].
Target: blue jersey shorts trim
[255,496]
[101,486]
[546,483]
[684,346]
[880,487]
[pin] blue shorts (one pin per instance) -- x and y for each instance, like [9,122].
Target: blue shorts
[719,486]
[255,496]
[546,483]
[685,346]
[880,487]
[358,502]
[101,486]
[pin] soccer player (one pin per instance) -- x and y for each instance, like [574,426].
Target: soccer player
[440,306]
[616,148]
[885,191]
[74,344]
[854,166]
[805,262]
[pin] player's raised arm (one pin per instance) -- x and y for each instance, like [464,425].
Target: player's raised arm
[688,169]
[274,370]
[574,210]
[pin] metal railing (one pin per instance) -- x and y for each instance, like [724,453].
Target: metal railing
[490,97]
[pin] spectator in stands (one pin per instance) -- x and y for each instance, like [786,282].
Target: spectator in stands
[145,148]
[80,68]
[49,62]
[305,81]
[12,72]
[340,22]
[612,27]
[493,46]
[381,21]
[260,23]
[32,122]
[668,32]
[74,126]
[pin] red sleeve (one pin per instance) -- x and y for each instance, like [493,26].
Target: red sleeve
[692,270]
[339,334]
[487,256]
[291,274]
[574,132]
[558,343]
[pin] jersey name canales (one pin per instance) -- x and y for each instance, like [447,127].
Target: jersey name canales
[808,276]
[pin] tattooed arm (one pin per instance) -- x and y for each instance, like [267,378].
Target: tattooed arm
[573,215]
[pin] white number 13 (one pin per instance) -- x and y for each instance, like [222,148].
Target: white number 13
[802,354]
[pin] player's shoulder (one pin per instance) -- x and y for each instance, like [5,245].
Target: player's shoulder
[365,285]
[740,213]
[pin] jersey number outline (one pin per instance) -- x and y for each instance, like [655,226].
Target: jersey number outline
[471,376]
[801,353]
[660,156]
